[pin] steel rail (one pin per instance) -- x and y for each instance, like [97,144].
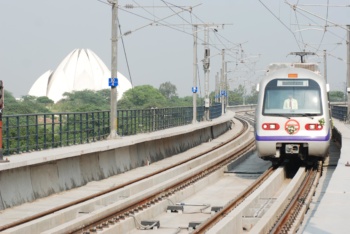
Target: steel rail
[84,199]
[116,216]
[288,216]
[205,226]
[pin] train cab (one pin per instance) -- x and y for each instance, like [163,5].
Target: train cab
[292,116]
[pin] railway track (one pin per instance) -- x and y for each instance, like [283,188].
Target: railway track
[276,205]
[136,204]
[86,214]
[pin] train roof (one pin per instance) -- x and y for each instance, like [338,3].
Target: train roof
[309,66]
[292,73]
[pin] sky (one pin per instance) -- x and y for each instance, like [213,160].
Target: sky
[37,35]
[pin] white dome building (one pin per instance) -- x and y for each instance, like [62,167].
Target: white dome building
[81,69]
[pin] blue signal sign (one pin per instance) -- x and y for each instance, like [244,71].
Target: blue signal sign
[113,82]
[194,89]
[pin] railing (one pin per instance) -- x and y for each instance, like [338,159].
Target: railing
[131,122]
[34,132]
[340,112]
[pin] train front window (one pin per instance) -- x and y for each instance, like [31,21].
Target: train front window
[300,97]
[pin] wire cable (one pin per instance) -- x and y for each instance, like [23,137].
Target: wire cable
[281,23]
[301,9]
[325,27]
[126,57]
[167,4]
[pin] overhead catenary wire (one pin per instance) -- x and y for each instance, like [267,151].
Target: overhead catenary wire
[325,27]
[153,23]
[167,4]
[170,6]
[311,17]
[125,55]
[300,33]
[166,25]
[158,21]
[321,26]
[281,22]
[315,15]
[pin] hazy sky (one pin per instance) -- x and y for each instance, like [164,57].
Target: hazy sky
[37,35]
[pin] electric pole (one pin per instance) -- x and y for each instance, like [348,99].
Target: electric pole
[348,65]
[206,66]
[325,64]
[114,93]
[195,88]
[217,87]
[2,101]
[226,88]
[222,95]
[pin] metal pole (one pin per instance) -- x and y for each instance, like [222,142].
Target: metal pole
[114,93]
[348,66]
[325,78]
[222,95]
[244,92]
[325,64]
[217,87]
[195,88]
[226,88]
[206,66]
[2,101]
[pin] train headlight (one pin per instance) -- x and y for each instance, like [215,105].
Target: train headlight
[270,126]
[313,127]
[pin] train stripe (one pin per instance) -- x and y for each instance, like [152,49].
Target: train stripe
[293,138]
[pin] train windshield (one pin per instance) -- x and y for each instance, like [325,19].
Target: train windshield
[292,97]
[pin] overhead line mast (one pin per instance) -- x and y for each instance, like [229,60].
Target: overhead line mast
[206,67]
[114,70]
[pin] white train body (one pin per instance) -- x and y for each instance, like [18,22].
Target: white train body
[301,128]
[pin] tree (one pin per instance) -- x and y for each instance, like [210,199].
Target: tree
[235,97]
[337,96]
[26,105]
[44,100]
[168,90]
[32,105]
[252,98]
[142,97]
[180,102]
[83,101]
[12,106]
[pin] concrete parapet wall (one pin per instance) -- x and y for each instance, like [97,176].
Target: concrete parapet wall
[52,171]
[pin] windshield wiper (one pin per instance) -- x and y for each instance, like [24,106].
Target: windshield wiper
[309,115]
[280,115]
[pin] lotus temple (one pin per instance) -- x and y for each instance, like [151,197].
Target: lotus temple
[81,69]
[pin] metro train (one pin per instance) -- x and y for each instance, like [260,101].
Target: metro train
[292,118]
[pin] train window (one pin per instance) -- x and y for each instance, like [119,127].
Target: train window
[292,99]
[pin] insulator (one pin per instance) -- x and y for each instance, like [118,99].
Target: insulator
[130,6]
[127,33]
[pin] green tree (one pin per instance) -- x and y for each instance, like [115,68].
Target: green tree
[235,97]
[44,100]
[26,105]
[337,96]
[168,90]
[183,102]
[252,98]
[142,97]
[11,106]
[33,105]
[83,101]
